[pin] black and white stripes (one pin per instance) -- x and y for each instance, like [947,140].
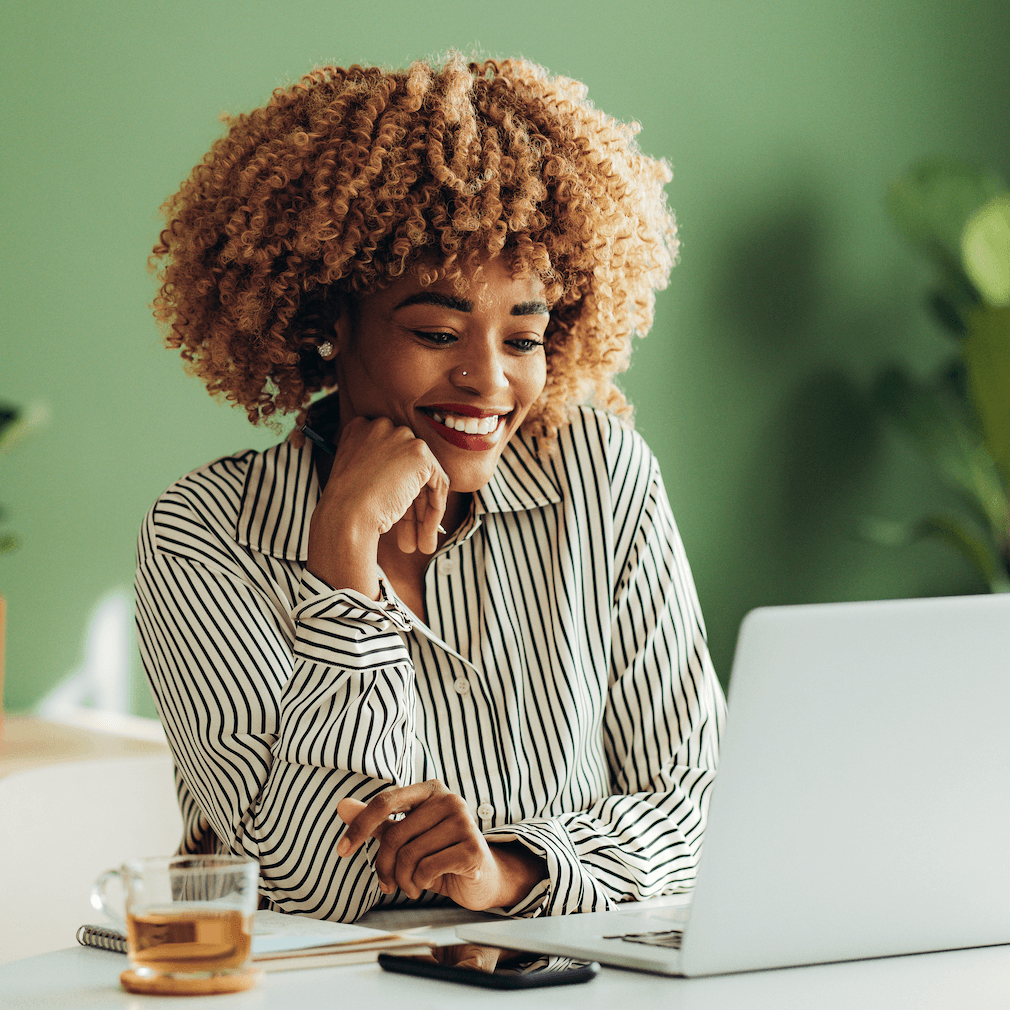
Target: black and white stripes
[563,687]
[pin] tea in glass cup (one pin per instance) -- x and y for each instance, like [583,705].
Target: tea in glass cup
[188,922]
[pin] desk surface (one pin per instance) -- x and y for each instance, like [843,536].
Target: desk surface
[30,742]
[79,978]
[86,979]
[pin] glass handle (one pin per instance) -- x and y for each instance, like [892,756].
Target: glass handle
[100,903]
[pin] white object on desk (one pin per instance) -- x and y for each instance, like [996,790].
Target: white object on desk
[859,809]
[60,826]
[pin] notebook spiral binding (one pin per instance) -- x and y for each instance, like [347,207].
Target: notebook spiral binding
[104,937]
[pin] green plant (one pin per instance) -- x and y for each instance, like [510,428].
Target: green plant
[14,425]
[959,216]
[8,417]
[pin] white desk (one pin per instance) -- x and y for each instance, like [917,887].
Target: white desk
[84,979]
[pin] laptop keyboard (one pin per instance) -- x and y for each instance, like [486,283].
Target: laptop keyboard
[660,938]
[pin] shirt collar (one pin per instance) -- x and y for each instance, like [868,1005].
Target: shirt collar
[521,481]
[281,490]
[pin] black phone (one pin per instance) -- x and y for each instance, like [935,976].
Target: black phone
[491,967]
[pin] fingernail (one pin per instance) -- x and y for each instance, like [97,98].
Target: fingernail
[343,846]
[442,529]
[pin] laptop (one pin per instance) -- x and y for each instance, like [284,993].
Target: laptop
[860,808]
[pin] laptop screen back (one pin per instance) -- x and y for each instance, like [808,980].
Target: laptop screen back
[860,808]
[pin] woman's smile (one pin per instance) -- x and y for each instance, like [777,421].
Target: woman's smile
[467,427]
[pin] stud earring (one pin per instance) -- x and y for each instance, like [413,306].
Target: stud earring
[325,349]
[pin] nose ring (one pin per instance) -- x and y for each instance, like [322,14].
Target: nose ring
[463,373]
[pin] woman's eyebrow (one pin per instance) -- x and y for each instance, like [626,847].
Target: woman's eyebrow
[436,298]
[530,309]
[456,304]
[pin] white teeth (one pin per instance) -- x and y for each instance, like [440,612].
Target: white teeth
[469,425]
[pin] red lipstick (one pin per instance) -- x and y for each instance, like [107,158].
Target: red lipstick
[475,443]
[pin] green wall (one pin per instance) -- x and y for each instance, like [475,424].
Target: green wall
[783,121]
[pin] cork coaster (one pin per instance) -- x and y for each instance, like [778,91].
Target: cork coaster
[165,985]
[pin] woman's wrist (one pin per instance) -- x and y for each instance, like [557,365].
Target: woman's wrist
[346,560]
[520,870]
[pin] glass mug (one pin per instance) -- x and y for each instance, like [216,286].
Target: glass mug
[188,922]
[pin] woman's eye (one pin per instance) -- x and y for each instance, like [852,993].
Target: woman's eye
[526,344]
[439,339]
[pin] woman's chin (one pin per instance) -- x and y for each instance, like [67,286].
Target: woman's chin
[469,475]
[470,482]
[469,469]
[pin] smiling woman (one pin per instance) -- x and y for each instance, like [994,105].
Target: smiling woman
[461,657]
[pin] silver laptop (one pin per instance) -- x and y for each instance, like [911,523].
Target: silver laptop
[861,808]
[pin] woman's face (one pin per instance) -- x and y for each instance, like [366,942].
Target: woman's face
[461,371]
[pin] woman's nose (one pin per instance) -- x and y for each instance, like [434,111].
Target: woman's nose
[481,372]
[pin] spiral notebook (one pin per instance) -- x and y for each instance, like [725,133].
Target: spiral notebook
[283,942]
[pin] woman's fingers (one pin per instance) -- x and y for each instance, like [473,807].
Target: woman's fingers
[419,527]
[435,495]
[437,846]
[437,836]
[348,809]
[406,531]
[379,472]
[466,860]
[387,472]
[373,816]
[382,476]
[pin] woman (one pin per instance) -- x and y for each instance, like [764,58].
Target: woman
[462,657]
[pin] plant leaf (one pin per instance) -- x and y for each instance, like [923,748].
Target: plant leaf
[952,300]
[18,424]
[8,415]
[985,250]
[987,359]
[983,556]
[947,441]
[934,199]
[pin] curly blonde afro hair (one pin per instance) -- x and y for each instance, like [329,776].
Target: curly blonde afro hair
[351,177]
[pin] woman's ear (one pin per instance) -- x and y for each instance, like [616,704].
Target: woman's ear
[329,344]
[341,330]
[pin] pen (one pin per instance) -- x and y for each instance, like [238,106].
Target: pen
[314,436]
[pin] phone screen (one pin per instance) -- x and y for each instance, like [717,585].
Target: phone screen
[493,967]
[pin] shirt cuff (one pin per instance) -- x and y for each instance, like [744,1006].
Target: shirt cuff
[318,599]
[568,887]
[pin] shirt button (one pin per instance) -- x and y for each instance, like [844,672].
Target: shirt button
[446,566]
[485,811]
[462,686]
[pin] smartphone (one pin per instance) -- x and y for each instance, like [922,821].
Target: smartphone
[491,967]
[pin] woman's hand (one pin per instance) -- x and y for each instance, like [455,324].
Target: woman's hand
[382,476]
[438,847]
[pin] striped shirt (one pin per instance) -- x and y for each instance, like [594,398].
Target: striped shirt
[562,686]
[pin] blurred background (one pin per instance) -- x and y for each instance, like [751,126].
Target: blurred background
[784,122]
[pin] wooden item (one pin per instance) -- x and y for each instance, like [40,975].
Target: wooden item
[30,742]
[3,642]
[161,985]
